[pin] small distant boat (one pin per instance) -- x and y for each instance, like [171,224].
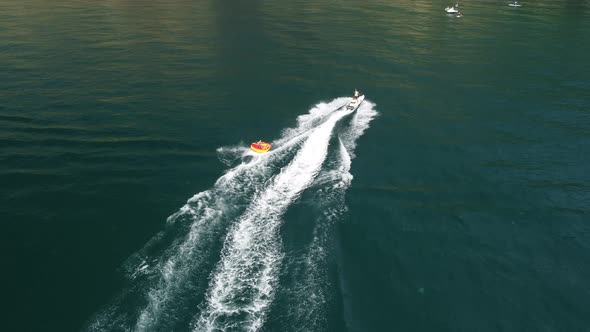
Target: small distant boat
[260,146]
[452,9]
[515,4]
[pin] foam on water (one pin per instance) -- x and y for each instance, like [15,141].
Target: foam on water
[358,124]
[311,120]
[207,211]
[177,273]
[243,283]
[310,297]
[312,310]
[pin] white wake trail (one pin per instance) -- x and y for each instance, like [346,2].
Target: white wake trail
[168,276]
[311,296]
[242,285]
[206,210]
[308,290]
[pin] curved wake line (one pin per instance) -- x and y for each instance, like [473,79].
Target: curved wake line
[169,274]
[309,296]
[309,291]
[207,210]
[242,286]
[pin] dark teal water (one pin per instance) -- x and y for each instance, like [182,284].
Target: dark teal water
[455,199]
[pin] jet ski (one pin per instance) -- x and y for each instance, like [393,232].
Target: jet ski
[354,103]
[260,146]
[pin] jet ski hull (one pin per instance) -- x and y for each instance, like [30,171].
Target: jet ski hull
[354,104]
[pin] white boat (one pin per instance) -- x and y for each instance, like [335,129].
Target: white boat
[355,103]
[451,10]
[515,4]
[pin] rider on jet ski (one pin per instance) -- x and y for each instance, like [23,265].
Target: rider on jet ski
[356,94]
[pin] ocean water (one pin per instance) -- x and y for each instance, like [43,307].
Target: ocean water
[454,199]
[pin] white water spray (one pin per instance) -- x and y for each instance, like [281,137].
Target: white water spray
[243,283]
